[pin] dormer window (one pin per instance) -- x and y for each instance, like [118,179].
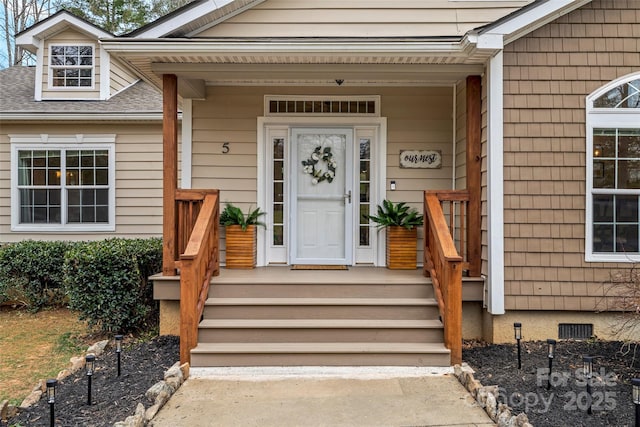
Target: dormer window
[71,66]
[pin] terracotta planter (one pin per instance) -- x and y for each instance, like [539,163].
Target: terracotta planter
[402,248]
[241,246]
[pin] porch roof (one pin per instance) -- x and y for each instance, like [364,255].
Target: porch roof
[318,61]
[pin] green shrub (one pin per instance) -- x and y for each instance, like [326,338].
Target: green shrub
[106,281]
[31,273]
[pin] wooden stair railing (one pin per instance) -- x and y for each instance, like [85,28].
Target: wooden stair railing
[198,218]
[455,208]
[444,264]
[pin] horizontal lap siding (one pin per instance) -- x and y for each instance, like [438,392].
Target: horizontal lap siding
[120,77]
[228,116]
[548,75]
[359,18]
[418,119]
[138,179]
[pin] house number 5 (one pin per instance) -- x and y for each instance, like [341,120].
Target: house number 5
[225,148]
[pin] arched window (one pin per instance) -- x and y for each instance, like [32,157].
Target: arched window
[613,172]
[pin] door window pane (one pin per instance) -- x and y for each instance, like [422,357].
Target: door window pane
[365,191]
[278,189]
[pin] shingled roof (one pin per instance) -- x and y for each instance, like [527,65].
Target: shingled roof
[17,97]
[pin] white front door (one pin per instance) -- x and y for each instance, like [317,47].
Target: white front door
[321,196]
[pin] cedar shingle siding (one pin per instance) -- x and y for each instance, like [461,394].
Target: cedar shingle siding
[547,76]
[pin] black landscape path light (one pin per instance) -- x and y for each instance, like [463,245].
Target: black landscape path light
[51,399]
[635,384]
[587,369]
[551,353]
[91,361]
[118,350]
[517,327]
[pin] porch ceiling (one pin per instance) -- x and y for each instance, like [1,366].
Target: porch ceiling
[297,62]
[318,74]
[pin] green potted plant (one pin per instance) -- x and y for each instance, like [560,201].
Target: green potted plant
[241,235]
[401,222]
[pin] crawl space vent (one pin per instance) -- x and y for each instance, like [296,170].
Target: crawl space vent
[577,331]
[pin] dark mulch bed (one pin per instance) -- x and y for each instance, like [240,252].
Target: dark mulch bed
[566,403]
[114,398]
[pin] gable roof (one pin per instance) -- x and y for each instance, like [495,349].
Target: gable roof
[200,15]
[139,101]
[193,16]
[179,45]
[29,38]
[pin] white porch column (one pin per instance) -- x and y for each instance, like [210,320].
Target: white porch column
[495,184]
[187,143]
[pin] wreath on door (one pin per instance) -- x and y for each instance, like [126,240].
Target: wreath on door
[319,174]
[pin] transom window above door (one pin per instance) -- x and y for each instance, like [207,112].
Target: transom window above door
[322,105]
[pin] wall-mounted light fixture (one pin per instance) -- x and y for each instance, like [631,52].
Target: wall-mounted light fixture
[597,151]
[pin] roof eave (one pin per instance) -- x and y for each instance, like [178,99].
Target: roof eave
[29,39]
[82,116]
[524,21]
[124,46]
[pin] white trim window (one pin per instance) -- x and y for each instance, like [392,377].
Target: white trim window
[613,172]
[62,187]
[71,66]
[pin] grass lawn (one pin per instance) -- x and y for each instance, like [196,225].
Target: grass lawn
[36,346]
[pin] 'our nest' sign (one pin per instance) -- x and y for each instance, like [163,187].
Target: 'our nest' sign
[421,159]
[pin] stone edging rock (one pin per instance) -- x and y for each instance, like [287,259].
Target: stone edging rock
[487,398]
[158,394]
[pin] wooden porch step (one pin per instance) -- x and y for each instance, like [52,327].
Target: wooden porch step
[320,330]
[278,317]
[320,354]
[322,288]
[316,308]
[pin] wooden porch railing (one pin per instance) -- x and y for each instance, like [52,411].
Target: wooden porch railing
[444,264]
[197,237]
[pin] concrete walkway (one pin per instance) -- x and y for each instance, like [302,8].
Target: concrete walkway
[373,397]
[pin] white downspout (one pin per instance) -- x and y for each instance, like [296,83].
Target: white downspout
[495,184]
